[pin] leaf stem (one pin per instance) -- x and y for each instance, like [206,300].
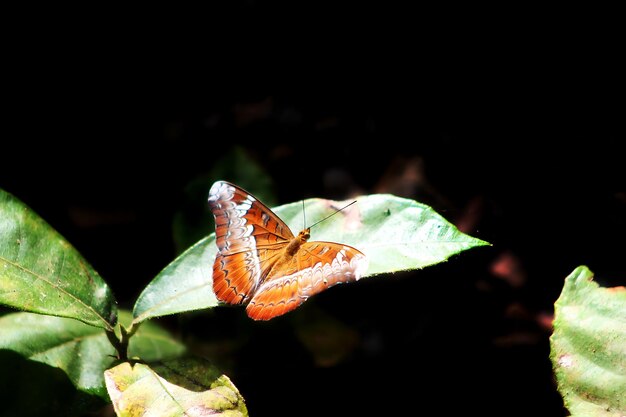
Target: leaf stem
[115,342]
[121,344]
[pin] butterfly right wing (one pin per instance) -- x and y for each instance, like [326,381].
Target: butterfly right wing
[316,267]
[249,238]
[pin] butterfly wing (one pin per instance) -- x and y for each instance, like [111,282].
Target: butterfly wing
[248,236]
[316,267]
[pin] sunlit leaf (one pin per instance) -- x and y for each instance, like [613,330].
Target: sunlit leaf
[394,233]
[588,346]
[184,387]
[42,273]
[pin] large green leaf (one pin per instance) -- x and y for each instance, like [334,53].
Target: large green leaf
[588,346]
[184,387]
[83,352]
[394,233]
[43,273]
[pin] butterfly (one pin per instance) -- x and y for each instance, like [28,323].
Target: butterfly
[262,264]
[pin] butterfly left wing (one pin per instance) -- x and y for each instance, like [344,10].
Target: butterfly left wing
[243,226]
[316,267]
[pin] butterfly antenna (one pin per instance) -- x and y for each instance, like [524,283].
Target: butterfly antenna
[330,215]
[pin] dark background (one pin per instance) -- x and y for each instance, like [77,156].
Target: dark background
[515,142]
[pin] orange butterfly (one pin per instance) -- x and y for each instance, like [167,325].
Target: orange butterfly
[260,262]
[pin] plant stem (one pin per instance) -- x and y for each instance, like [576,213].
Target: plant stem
[121,344]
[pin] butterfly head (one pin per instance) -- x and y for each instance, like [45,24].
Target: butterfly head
[305,235]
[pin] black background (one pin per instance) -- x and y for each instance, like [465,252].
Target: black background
[515,138]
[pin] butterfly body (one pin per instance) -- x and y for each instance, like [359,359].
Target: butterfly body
[261,263]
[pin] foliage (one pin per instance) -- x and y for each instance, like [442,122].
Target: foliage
[75,340]
[588,346]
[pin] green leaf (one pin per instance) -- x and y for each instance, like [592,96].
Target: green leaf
[152,342]
[394,233]
[83,352]
[184,285]
[184,387]
[588,346]
[43,273]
